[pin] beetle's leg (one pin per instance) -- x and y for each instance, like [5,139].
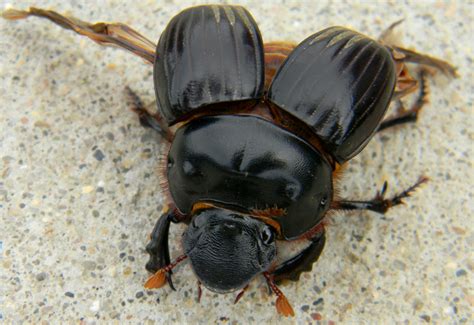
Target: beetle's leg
[115,34]
[406,84]
[303,262]
[240,294]
[158,245]
[199,292]
[404,55]
[426,60]
[407,116]
[146,118]
[378,204]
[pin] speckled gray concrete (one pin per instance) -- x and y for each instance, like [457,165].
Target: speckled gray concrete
[79,190]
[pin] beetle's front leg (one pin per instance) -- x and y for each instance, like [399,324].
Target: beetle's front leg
[303,262]
[378,204]
[158,246]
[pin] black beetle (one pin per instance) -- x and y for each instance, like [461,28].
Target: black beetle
[258,134]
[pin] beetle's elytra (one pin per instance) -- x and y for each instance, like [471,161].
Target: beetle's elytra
[258,133]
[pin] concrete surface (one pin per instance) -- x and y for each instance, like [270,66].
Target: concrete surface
[79,187]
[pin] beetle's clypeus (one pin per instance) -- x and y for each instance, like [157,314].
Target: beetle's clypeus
[258,132]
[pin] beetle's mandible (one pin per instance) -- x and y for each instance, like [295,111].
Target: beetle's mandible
[258,134]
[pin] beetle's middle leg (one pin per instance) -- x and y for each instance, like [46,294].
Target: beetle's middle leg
[403,115]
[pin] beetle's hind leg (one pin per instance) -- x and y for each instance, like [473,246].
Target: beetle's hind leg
[115,34]
[378,204]
[147,119]
[403,115]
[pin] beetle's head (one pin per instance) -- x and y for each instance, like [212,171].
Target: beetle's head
[227,249]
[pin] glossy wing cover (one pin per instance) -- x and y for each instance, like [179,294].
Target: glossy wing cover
[340,84]
[208,55]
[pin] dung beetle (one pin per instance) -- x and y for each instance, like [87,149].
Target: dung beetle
[259,133]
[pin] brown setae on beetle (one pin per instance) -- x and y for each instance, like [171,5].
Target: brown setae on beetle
[258,134]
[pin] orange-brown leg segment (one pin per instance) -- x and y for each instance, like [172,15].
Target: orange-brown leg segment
[159,279]
[114,34]
[282,305]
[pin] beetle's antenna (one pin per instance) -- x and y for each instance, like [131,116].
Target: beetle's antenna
[158,279]
[282,305]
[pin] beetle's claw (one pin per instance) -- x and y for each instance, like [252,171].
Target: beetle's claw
[387,33]
[170,280]
[199,292]
[240,294]
[384,189]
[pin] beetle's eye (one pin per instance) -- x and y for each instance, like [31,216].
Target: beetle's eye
[267,236]
[324,201]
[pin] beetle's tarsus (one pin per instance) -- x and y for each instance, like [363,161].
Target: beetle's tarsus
[379,204]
